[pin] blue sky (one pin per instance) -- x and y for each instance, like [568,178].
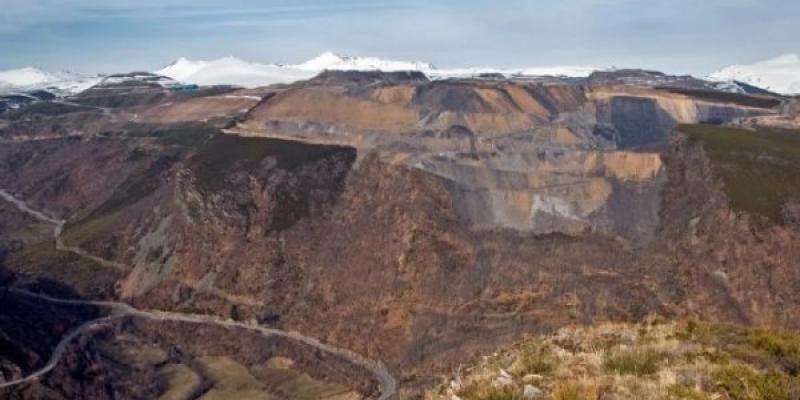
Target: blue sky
[679,36]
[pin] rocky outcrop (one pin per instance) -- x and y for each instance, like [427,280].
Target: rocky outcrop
[513,154]
[550,191]
[641,119]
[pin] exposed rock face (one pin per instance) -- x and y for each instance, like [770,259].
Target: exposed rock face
[644,118]
[638,121]
[221,204]
[551,191]
[527,156]
[65,176]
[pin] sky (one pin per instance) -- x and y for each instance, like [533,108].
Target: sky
[676,36]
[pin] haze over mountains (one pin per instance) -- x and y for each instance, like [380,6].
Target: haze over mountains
[781,74]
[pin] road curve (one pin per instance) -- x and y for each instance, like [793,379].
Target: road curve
[57,229]
[387,383]
[58,352]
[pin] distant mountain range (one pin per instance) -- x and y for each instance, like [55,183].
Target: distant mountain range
[31,78]
[231,70]
[780,75]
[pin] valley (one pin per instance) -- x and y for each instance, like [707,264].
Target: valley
[117,311]
[288,240]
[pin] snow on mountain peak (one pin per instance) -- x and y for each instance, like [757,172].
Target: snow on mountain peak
[331,61]
[323,60]
[27,76]
[233,71]
[780,74]
[180,63]
[230,71]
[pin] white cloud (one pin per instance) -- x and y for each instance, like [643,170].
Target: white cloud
[16,15]
[676,35]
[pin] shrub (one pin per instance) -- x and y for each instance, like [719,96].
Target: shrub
[741,382]
[782,348]
[763,347]
[46,108]
[191,134]
[533,358]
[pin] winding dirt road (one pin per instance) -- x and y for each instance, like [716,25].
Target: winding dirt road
[387,383]
[57,229]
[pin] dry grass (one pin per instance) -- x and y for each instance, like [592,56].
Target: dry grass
[233,380]
[575,391]
[634,362]
[126,352]
[182,382]
[686,360]
[490,392]
[533,358]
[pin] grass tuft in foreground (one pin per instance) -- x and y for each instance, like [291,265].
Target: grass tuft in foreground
[687,360]
[634,362]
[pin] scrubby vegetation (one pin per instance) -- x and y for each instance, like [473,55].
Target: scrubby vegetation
[212,157]
[186,134]
[45,108]
[225,153]
[688,360]
[131,94]
[533,358]
[232,380]
[179,139]
[634,362]
[43,262]
[758,168]
[134,188]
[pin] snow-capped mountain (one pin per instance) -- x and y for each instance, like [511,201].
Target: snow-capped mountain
[780,74]
[27,76]
[332,61]
[32,78]
[233,71]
